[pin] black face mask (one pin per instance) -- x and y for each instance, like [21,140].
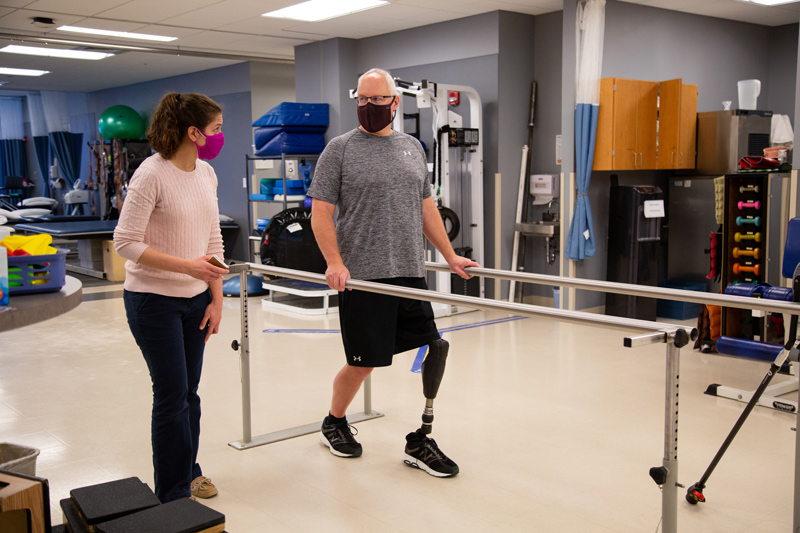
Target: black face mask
[373,118]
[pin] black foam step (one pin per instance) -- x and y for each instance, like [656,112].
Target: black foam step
[178,516]
[114,499]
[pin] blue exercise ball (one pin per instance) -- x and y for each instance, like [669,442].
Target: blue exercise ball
[121,122]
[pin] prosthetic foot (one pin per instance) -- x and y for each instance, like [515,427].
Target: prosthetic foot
[432,372]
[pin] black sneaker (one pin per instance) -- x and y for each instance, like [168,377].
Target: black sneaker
[339,438]
[423,453]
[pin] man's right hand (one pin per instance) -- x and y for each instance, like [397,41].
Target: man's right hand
[336,275]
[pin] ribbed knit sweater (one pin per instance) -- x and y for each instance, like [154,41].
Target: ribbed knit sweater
[173,212]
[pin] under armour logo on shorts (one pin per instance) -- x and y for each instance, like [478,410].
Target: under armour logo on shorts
[357,358]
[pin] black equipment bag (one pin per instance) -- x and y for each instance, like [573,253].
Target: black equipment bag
[289,242]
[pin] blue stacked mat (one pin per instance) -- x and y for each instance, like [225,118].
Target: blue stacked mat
[291,128]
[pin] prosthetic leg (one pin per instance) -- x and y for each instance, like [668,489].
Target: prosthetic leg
[432,372]
[422,451]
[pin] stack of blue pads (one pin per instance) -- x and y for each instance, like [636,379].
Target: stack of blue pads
[291,128]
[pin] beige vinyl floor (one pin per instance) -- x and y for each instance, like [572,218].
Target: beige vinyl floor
[553,425]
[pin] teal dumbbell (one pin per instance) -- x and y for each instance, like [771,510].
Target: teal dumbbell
[741,221]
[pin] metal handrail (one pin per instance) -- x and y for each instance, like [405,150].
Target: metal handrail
[580,317]
[724,300]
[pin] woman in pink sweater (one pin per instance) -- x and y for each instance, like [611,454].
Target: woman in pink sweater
[168,229]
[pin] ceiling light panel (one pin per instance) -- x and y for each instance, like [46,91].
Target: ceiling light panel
[316,10]
[121,34]
[22,72]
[771,2]
[54,52]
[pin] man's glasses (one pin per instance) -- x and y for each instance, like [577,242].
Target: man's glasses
[377,100]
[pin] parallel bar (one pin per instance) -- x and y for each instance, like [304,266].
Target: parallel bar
[741,302]
[578,317]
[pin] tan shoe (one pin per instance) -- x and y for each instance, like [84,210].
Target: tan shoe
[202,487]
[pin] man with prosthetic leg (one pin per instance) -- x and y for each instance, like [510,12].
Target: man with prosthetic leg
[374,182]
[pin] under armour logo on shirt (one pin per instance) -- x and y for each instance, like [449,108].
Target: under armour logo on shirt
[407,152]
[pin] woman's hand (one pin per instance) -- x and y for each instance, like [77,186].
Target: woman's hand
[201,269]
[212,318]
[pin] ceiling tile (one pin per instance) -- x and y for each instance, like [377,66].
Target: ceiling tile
[21,19]
[171,31]
[154,10]
[75,7]
[219,14]
[257,25]
[15,3]
[446,5]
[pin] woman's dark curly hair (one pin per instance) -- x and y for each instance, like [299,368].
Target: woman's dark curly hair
[173,117]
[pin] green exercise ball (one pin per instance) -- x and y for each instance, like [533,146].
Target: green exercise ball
[121,122]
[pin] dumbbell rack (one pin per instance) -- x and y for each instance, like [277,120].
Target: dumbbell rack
[744,239]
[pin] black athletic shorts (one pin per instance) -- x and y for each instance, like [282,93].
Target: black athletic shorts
[377,326]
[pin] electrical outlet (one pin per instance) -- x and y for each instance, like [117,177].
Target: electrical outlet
[290,168]
[244,183]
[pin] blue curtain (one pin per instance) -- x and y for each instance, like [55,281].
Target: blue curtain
[67,151]
[14,162]
[580,242]
[41,145]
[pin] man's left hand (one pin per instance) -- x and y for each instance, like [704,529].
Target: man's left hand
[457,264]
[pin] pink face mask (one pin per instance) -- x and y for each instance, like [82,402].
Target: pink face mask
[211,149]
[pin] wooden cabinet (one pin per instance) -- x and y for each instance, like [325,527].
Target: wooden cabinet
[677,125]
[626,128]
[632,127]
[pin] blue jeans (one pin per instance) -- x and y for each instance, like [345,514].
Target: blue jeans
[167,330]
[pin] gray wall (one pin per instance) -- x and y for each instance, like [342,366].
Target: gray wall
[270,84]
[325,72]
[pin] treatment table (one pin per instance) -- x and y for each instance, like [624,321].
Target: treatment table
[90,235]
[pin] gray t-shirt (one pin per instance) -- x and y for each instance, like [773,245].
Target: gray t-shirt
[378,184]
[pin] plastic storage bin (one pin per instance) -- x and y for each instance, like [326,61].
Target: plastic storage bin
[17,458]
[680,310]
[30,274]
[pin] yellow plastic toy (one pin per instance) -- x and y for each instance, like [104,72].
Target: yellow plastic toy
[33,244]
